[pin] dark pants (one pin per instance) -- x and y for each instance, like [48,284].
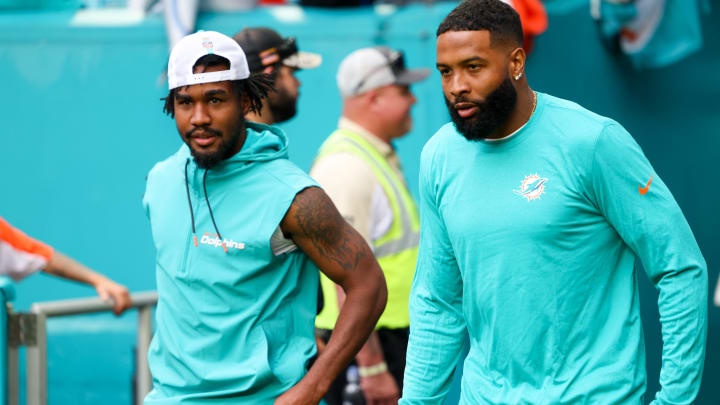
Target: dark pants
[394,345]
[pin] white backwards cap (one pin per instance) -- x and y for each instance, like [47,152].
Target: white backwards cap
[188,50]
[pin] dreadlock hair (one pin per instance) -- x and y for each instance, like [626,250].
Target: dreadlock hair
[255,87]
[500,19]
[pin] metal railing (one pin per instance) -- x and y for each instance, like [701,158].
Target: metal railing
[29,329]
[7,293]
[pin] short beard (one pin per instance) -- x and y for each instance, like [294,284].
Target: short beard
[493,112]
[282,105]
[206,160]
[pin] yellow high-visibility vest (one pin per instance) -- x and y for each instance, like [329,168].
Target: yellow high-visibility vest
[396,251]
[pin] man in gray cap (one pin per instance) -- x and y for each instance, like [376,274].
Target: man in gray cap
[359,170]
[268,52]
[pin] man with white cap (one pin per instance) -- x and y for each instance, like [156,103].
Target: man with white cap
[267,52]
[240,234]
[358,168]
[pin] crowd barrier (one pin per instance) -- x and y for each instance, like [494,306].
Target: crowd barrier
[29,330]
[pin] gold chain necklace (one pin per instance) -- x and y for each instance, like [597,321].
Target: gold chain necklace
[534,104]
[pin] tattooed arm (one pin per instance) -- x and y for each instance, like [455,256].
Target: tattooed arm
[342,254]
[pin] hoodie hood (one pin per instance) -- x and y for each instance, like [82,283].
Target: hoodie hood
[262,143]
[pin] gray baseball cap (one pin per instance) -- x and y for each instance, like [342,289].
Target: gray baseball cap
[369,68]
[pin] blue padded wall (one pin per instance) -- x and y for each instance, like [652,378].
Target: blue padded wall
[83,124]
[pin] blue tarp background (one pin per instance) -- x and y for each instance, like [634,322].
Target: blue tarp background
[82,123]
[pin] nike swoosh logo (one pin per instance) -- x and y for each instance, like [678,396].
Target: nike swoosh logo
[645,189]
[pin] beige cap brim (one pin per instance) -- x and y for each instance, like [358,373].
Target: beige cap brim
[303,60]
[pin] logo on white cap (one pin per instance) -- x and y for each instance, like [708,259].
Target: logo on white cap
[207,44]
[188,50]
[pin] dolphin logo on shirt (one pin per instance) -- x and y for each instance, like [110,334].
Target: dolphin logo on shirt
[532,187]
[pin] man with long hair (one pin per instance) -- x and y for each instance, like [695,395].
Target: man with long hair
[240,234]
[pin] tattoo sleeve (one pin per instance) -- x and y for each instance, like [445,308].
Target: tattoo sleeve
[318,220]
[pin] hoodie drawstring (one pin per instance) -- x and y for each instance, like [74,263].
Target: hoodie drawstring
[192,216]
[211,214]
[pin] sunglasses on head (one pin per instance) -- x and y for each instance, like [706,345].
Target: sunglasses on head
[287,48]
[273,55]
[395,60]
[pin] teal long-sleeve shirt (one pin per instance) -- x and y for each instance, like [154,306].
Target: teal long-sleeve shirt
[528,246]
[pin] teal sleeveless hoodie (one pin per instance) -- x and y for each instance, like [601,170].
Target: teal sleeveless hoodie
[235,326]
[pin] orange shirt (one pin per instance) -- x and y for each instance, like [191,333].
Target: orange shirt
[21,255]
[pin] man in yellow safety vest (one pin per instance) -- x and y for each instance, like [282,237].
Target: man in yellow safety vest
[358,168]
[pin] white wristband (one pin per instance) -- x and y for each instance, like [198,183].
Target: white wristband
[373,370]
